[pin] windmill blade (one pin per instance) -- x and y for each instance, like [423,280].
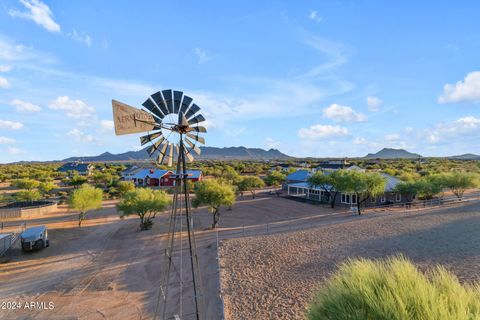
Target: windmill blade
[168,96]
[193,146]
[185,104]
[150,105]
[198,129]
[125,119]
[191,112]
[189,156]
[170,155]
[196,137]
[164,148]
[177,100]
[177,151]
[158,99]
[155,146]
[149,137]
[197,119]
[182,121]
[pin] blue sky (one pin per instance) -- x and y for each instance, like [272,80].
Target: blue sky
[336,78]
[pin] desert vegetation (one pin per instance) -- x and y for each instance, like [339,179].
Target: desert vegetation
[394,289]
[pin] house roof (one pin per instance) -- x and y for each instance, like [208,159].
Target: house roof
[131,169]
[194,174]
[299,175]
[74,166]
[391,182]
[151,173]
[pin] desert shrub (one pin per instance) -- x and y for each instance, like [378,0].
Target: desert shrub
[394,289]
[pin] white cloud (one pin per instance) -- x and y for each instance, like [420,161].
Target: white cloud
[80,136]
[81,37]
[335,53]
[467,90]
[10,125]
[409,129]
[466,128]
[374,103]
[38,12]
[4,83]
[4,68]
[318,131]
[360,141]
[23,106]
[75,109]
[314,16]
[106,125]
[392,137]
[201,55]
[5,140]
[340,113]
[15,151]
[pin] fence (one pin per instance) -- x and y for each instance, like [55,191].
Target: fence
[10,238]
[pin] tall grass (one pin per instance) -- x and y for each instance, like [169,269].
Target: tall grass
[394,289]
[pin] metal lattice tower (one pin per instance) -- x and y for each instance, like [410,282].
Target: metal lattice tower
[171,120]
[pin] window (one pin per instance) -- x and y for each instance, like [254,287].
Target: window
[343,198]
[347,199]
[398,197]
[383,199]
[373,199]
[354,198]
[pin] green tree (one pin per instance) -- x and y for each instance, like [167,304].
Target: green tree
[145,203]
[46,187]
[77,180]
[85,199]
[330,183]
[428,187]
[363,184]
[27,184]
[458,182]
[28,195]
[251,184]
[213,194]
[275,178]
[407,188]
[124,187]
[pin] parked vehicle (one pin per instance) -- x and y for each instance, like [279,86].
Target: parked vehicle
[34,238]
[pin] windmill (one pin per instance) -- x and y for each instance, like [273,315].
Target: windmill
[171,121]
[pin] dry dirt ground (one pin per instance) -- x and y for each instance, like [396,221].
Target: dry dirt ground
[110,270]
[275,276]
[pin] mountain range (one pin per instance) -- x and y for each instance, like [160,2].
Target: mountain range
[388,153]
[207,153]
[243,153]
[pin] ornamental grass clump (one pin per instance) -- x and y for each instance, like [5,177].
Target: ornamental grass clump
[394,289]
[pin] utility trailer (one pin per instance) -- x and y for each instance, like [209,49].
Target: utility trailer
[34,238]
[6,240]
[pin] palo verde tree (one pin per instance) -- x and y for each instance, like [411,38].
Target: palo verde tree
[85,199]
[27,184]
[77,180]
[124,187]
[251,184]
[275,179]
[458,182]
[46,187]
[29,195]
[214,194]
[145,203]
[329,183]
[364,185]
